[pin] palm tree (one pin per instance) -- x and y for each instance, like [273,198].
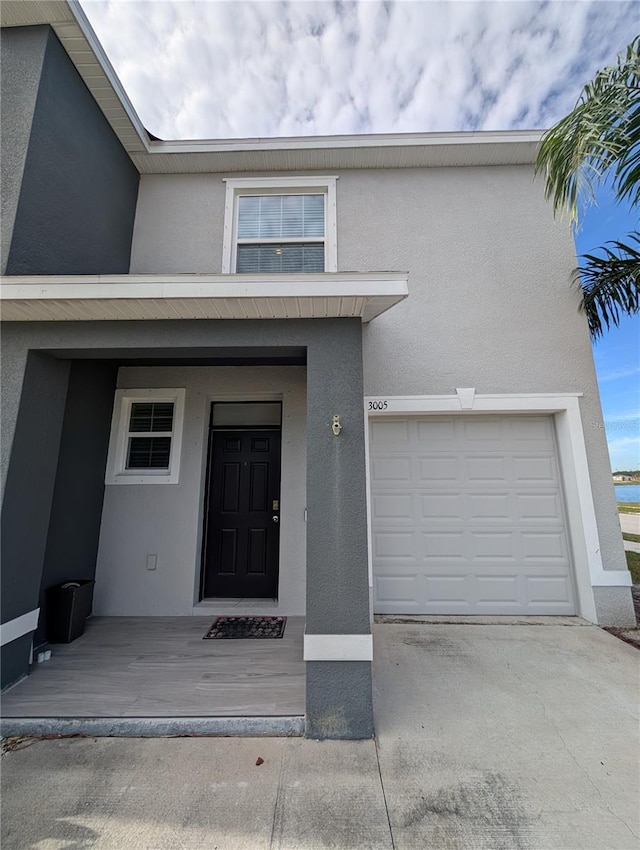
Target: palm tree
[601,135]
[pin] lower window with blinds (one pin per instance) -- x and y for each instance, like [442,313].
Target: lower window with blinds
[146,436]
[286,258]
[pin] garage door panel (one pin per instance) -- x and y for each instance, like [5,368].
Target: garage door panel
[485,469]
[399,589]
[392,469]
[548,589]
[436,469]
[534,469]
[534,507]
[439,506]
[544,546]
[485,430]
[449,545]
[493,545]
[434,432]
[395,544]
[447,588]
[393,433]
[393,505]
[536,431]
[471,506]
[482,506]
[493,590]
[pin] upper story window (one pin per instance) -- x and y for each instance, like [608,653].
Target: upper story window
[282,225]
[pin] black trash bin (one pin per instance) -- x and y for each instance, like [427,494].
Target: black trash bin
[68,606]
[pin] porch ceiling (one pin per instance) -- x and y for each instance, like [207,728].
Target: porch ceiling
[46,298]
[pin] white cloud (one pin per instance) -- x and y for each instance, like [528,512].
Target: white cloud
[234,69]
[615,373]
[622,421]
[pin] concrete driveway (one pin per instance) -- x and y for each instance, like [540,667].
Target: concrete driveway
[490,737]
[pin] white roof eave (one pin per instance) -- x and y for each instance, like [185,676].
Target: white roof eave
[148,297]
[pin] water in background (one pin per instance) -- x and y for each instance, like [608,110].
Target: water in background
[627,492]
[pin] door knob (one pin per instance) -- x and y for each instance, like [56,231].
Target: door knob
[276,519]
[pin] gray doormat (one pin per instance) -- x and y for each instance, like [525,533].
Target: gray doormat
[229,628]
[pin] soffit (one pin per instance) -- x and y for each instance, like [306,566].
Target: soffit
[339,153]
[152,297]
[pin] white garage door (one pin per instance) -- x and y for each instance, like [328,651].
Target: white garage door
[468,517]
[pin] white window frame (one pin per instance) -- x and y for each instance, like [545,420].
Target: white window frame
[117,473]
[279,186]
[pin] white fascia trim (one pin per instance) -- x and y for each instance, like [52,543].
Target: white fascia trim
[240,185]
[19,626]
[383,140]
[574,470]
[291,182]
[338,648]
[98,287]
[108,70]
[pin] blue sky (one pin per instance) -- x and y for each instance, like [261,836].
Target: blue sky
[214,69]
[617,352]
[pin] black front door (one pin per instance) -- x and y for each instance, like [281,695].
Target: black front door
[243,514]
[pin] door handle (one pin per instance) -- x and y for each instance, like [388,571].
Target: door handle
[276,519]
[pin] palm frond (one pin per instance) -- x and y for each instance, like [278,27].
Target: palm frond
[610,284]
[601,133]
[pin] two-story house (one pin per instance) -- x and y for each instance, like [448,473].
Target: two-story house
[331,377]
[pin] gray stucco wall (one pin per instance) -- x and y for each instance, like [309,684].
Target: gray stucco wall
[334,379]
[30,481]
[491,305]
[28,494]
[78,194]
[76,511]
[21,56]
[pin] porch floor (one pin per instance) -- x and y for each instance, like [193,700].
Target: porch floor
[161,667]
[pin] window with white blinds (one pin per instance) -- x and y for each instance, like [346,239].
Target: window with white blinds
[280,225]
[146,436]
[150,433]
[280,233]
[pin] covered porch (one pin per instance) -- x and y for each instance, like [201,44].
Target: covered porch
[160,667]
[143,545]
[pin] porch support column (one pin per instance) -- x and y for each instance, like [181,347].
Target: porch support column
[339,697]
[41,384]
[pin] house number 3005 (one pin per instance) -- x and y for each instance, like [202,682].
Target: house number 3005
[378,405]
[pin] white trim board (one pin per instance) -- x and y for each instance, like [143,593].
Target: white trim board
[227,296]
[338,648]
[588,569]
[19,626]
